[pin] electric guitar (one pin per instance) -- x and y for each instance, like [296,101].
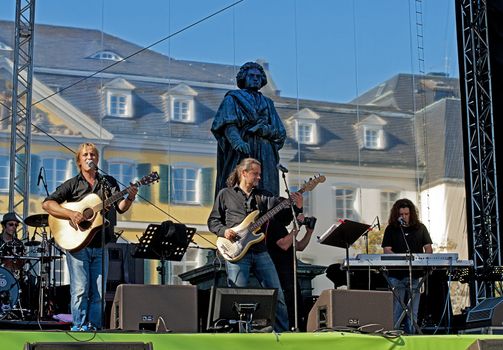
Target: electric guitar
[73,238]
[246,235]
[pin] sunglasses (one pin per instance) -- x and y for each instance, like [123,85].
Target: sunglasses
[16,224]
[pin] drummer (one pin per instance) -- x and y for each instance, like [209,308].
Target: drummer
[10,245]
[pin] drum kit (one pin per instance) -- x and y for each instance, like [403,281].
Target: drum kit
[25,273]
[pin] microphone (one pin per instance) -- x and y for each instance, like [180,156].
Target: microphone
[40,176]
[378,223]
[401,221]
[282,168]
[91,164]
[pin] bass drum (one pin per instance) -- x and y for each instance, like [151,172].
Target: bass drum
[9,292]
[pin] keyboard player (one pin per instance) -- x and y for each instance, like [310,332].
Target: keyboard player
[405,234]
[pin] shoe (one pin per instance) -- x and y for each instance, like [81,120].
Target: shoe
[75,329]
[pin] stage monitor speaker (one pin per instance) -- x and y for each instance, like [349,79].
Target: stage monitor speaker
[489,312]
[89,346]
[155,308]
[486,344]
[351,308]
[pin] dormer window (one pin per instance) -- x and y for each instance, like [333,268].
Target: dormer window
[371,131]
[305,132]
[372,138]
[305,126]
[181,109]
[119,98]
[107,55]
[180,104]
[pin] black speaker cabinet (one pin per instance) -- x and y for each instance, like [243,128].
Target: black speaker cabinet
[155,308]
[489,312]
[351,308]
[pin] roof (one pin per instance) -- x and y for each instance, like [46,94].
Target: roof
[154,76]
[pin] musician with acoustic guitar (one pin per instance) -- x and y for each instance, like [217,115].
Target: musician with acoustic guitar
[85,259]
[241,242]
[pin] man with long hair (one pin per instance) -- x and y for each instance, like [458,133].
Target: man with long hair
[405,234]
[232,205]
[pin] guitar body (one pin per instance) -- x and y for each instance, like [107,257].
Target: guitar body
[72,238]
[234,251]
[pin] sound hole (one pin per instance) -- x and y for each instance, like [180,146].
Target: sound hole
[88,214]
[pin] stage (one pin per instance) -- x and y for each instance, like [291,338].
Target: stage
[314,341]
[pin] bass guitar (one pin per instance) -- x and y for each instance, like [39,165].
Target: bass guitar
[246,231]
[73,238]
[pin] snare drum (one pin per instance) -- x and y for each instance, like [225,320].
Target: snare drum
[11,254]
[9,292]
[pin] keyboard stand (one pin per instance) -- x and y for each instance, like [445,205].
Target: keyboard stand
[407,309]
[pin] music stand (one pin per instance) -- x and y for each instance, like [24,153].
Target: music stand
[166,241]
[343,235]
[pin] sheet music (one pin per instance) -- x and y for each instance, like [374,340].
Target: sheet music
[328,232]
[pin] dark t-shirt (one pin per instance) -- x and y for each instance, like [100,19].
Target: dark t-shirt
[283,259]
[417,237]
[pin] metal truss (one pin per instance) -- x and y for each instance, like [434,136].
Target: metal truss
[484,242]
[22,77]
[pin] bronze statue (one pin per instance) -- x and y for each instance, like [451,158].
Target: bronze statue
[247,125]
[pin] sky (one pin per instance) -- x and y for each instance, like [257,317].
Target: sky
[329,50]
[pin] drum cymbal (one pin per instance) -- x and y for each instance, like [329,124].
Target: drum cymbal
[37,220]
[32,243]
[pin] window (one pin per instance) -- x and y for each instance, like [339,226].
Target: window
[119,100]
[180,105]
[305,133]
[123,172]
[185,185]
[182,109]
[344,203]
[56,171]
[373,137]
[106,55]
[118,105]
[4,173]
[371,132]
[388,198]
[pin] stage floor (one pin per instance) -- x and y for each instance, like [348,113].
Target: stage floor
[292,341]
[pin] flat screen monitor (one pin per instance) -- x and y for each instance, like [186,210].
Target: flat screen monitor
[223,301]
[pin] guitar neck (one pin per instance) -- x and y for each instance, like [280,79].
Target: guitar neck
[269,215]
[115,197]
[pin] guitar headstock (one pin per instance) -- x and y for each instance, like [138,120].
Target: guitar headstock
[310,184]
[148,179]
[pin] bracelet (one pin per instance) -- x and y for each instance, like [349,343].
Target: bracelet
[129,199]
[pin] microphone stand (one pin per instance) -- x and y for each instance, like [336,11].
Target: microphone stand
[294,248]
[44,182]
[409,256]
[105,186]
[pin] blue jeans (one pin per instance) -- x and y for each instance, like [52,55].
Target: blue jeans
[238,275]
[402,289]
[85,267]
